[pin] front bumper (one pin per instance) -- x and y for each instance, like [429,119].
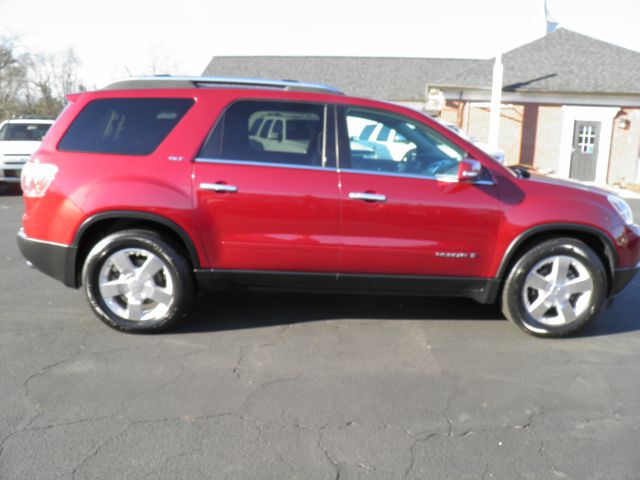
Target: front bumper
[621,278]
[56,260]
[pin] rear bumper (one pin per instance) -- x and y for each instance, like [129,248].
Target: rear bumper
[56,260]
[621,278]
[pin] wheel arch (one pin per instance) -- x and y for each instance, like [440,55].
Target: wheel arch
[101,224]
[596,239]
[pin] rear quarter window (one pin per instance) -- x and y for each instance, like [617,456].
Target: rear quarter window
[126,126]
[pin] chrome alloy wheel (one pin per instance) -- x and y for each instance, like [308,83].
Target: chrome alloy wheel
[135,284]
[557,290]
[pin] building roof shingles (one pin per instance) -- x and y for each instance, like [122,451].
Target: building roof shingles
[375,77]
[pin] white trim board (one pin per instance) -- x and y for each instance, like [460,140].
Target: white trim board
[605,116]
[550,98]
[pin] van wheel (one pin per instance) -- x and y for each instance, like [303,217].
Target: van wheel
[137,282]
[555,288]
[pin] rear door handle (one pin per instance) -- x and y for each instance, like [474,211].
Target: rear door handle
[367,197]
[219,187]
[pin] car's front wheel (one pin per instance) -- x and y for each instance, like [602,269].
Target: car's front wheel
[137,282]
[555,288]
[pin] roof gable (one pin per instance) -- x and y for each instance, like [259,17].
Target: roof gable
[562,61]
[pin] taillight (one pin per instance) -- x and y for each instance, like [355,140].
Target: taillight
[36,178]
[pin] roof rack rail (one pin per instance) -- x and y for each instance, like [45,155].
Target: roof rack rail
[167,81]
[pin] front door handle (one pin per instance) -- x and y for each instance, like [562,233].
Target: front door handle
[367,197]
[219,187]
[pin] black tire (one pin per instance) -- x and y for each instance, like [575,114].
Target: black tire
[174,281]
[517,291]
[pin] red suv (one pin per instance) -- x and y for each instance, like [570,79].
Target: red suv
[150,189]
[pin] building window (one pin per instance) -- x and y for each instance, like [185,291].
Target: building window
[587,139]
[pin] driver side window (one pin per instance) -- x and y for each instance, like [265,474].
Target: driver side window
[380,142]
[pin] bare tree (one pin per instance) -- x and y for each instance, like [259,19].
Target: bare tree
[12,77]
[52,76]
[67,73]
[161,63]
[7,56]
[41,78]
[35,83]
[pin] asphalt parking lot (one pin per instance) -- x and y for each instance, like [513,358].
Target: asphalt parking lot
[283,386]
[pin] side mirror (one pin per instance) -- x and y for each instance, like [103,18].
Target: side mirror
[469,170]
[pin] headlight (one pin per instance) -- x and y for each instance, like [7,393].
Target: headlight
[622,208]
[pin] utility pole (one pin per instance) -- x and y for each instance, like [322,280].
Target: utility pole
[496,100]
[552,23]
[496,84]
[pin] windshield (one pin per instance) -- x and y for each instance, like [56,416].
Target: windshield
[23,132]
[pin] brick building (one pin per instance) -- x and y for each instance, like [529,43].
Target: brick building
[571,103]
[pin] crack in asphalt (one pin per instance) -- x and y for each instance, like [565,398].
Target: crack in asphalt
[241,354]
[412,458]
[275,452]
[135,423]
[331,460]
[27,421]
[485,471]
[97,450]
[425,437]
[547,460]
[243,351]
[166,461]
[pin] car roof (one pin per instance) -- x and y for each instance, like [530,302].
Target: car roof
[161,82]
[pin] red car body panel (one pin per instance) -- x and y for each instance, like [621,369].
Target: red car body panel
[421,220]
[280,218]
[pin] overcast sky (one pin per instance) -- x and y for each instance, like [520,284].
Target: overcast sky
[120,36]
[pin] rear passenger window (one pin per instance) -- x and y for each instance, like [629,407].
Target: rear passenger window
[269,132]
[127,126]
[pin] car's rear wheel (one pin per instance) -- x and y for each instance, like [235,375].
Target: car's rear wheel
[137,282]
[555,288]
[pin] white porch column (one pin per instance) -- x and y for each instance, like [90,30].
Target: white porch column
[496,100]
